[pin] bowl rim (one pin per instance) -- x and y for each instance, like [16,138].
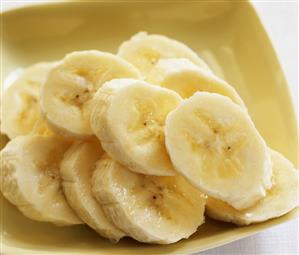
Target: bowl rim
[259,226]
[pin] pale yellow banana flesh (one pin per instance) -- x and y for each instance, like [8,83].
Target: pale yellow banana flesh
[280,199]
[31,179]
[150,209]
[214,144]
[152,136]
[144,51]
[20,109]
[128,117]
[76,170]
[68,91]
[186,78]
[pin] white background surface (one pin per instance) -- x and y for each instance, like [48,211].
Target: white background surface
[281,22]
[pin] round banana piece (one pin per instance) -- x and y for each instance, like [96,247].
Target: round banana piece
[76,170]
[41,127]
[128,117]
[144,51]
[215,145]
[280,199]
[186,78]
[20,102]
[31,179]
[67,93]
[151,209]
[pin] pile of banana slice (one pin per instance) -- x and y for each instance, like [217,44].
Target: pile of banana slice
[141,144]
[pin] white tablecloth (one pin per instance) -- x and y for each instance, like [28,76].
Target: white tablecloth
[280,19]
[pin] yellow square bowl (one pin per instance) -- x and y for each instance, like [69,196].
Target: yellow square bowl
[228,35]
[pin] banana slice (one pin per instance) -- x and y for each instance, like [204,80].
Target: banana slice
[128,117]
[41,127]
[186,78]
[150,209]
[31,180]
[76,169]
[68,91]
[215,145]
[280,199]
[20,107]
[144,51]
[10,78]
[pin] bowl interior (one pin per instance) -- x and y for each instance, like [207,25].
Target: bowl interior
[227,35]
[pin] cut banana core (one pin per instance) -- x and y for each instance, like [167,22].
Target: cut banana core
[280,199]
[68,91]
[128,117]
[215,145]
[31,179]
[144,51]
[20,107]
[149,208]
[76,170]
[186,78]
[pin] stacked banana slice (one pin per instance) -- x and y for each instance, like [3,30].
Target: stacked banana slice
[20,110]
[137,144]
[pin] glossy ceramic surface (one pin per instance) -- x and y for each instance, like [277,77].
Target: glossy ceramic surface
[228,35]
